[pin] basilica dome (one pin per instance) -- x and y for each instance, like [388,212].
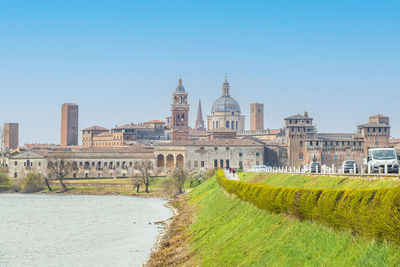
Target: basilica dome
[225,103]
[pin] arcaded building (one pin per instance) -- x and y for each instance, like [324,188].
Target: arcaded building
[225,112]
[69,125]
[210,153]
[85,162]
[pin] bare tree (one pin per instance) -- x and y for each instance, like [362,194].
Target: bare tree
[136,181]
[175,184]
[147,172]
[46,181]
[59,166]
[179,176]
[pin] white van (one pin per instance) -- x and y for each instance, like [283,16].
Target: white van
[382,158]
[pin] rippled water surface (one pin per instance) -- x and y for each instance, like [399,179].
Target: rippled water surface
[69,230]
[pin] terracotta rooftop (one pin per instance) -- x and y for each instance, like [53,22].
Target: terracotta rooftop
[275,131]
[369,124]
[213,142]
[298,116]
[104,134]
[154,122]
[95,128]
[132,126]
[223,130]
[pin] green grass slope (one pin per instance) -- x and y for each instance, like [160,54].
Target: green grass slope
[312,181]
[230,232]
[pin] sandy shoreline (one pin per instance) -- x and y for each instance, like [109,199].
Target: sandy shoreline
[164,232]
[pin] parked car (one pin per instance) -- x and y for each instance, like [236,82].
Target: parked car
[348,166]
[315,167]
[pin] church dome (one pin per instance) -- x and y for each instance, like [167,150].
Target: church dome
[180,88]
[225,103]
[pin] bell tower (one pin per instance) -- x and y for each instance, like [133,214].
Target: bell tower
[180,114]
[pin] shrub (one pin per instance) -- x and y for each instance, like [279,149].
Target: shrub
[4,179]
[371,212]
[33,183]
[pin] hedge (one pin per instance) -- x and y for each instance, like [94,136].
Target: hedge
[370,212]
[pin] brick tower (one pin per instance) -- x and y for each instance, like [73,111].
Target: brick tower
[69,124]
[10,136]
[180,114]
[256,116]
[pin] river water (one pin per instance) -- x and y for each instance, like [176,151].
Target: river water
[72,230]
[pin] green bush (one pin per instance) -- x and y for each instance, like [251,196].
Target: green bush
[33,183]
[371,212]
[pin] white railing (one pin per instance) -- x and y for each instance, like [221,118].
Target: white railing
[332,171]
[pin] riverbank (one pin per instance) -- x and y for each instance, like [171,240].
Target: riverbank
[214,228]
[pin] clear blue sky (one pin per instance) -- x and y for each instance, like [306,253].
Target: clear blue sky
[120,60]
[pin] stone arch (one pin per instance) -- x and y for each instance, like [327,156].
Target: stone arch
[160,161]
[170,161]
[179,161]
[87,165]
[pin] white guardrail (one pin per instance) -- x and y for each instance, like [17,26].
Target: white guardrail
[325,170]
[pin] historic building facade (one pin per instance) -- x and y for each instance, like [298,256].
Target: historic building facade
[225,112]
[210,153]
[86,163]
[125,135]
[306,145]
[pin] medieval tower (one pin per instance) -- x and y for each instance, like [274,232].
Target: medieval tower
[180,114]
[69,124]
[256,117]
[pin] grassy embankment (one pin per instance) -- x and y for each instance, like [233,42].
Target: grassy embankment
[217,229]
[312,181]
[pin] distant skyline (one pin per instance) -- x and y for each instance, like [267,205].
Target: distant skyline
[120,61]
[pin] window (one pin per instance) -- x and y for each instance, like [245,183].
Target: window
[227,148]
[240,154]
[215,148]
[227,124]
[257,155]
[216,163]
[202,164]
[221,163]
[301,156]
[15,163]
[240,164]
[15,174]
